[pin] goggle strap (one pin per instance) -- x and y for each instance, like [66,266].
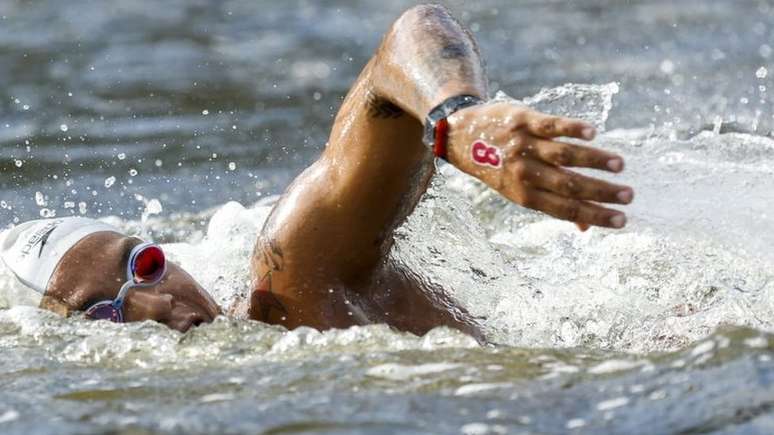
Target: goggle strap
[118,302]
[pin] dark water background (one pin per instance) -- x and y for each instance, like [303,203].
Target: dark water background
[131,80]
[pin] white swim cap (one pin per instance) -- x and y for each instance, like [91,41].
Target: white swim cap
[32,250]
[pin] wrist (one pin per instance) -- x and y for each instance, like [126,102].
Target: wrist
[436,129]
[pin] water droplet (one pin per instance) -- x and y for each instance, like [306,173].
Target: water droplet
[69,204]
[109,181]
[575,423]
[3,204]
[154,207]
[205,112]
[16,101]
[158,163]
[121,156]
[765,51]
[317,96]
[667,66]
[63,127]
[82,207]
[133,172]
[18,163]
[40,199]
[761,73]
[46,213]
[231,166]
[26,107]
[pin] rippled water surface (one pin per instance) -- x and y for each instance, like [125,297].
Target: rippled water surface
[181,120]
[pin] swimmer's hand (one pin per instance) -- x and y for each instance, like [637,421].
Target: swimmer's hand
[514,150]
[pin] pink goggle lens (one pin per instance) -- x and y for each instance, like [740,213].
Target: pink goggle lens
[149,264]
[104,311]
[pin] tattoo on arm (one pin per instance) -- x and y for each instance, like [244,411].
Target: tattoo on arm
[426,55]
[264,298]
[379,107]
[274,254]
[450,51]
[454,50]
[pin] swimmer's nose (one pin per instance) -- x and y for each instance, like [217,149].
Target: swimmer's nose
[148,305]
[196,320]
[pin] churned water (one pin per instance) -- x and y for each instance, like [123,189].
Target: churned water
[183,120]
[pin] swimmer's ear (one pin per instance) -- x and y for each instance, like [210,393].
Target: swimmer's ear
[52,304]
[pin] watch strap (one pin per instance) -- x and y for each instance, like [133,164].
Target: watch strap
[442,111]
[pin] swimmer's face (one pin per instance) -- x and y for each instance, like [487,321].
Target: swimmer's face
[95,268]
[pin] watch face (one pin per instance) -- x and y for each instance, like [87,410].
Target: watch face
[443,111]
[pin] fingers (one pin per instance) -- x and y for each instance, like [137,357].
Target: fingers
[548,126]
[580,212]
[573,185]
[565,154]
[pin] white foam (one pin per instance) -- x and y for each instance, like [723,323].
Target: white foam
[575,423]
[703,348]
[614,365]
[612,403]
[474,389]
[401,372]
[642,289]
[757,342]
[221,260]
[9,416]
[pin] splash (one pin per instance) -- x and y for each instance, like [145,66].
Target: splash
[151,207]
[672,277]
[536,282]
[591,103]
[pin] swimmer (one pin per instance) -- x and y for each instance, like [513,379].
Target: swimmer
[321,259]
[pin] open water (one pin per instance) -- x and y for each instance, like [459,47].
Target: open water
[182,120]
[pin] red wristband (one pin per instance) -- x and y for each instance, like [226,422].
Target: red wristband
[436,132]
[441,137]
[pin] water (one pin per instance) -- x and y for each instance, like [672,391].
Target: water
[246,378]
[135,112]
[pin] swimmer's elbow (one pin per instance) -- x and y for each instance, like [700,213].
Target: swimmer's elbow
[415,20]
[426,11]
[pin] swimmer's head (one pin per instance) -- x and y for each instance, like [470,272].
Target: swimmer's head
[73,263]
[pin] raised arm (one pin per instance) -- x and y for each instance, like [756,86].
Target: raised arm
[425,58]
[320,258]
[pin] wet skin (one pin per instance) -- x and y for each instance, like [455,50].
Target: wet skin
[322,257]
[95,268]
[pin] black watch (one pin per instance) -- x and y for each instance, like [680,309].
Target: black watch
[443,111]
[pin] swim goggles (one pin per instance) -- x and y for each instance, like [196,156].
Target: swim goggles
[145,268]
